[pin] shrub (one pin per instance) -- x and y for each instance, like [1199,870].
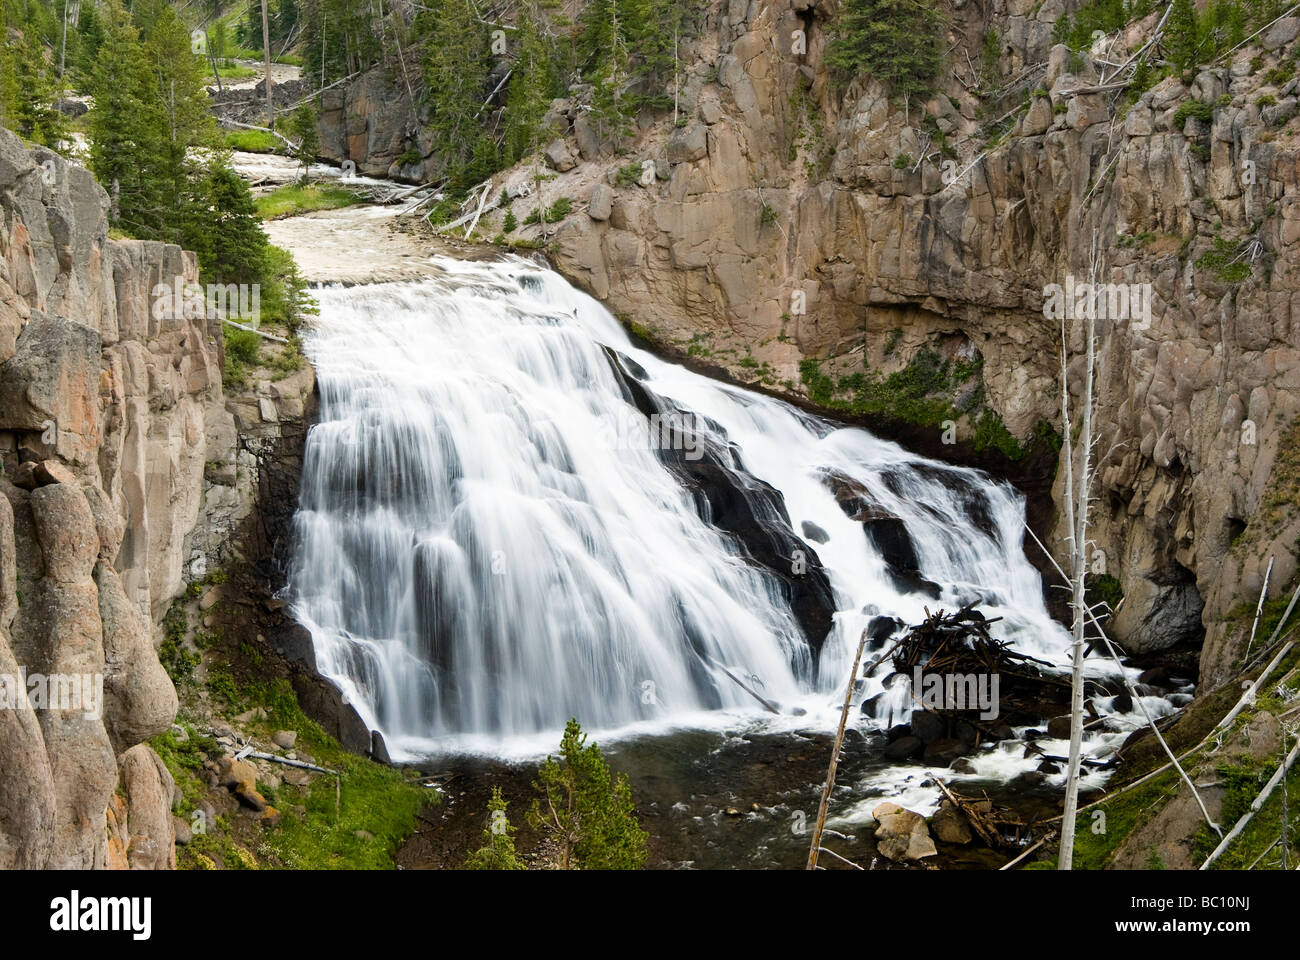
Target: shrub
[589,812]
[498,850]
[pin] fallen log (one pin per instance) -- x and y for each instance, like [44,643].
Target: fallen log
[258,755]
[1283,769]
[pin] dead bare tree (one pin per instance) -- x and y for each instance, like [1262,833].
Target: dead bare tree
[822,808]
[266,55]
[1077,494]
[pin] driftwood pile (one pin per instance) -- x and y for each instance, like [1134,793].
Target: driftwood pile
[960,643]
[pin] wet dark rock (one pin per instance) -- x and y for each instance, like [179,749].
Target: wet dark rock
[1058,728]
[944,750]
[1123,702]
[881,629]
[909,581]
[898,731]
[379,749]
[997,730]
[928,726]
[1157,676]
[751,511]
[890,538]
[904,748]
[962,765]
[814,533]
[966,733]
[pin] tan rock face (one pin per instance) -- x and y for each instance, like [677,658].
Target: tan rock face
[902,834]
[110,403]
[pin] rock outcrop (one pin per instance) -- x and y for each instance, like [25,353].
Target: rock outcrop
[109,409]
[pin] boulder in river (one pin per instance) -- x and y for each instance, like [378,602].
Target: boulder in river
[949,824]
[902,834]
[904,748]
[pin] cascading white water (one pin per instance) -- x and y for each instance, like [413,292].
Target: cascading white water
[488,541]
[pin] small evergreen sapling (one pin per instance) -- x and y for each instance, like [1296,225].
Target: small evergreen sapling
[586,810]
[498,850]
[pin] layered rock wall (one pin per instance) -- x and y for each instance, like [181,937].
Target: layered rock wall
[110,410]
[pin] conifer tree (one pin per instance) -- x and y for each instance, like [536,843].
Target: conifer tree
[893,41]
[302,124]
[127,129]
[498,850]
[1180,40]
[587,809]
[531,86]
[456,67]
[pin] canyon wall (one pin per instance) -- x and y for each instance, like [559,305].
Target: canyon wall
[111,421]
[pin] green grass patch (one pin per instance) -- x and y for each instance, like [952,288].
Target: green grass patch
[253,141]
[1123,814]
[294,199]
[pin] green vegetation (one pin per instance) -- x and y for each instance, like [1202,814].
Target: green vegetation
[554,213]
[498,850]
[1106,16]
[355,820]
[991,432]
[1104,588]
[1196,109]
[1224,261]
[629,175]
[588,812]
[302,124]
[294,199]
[1123,813]
[894,41]
[912,394]
[253,141]
[1242,782]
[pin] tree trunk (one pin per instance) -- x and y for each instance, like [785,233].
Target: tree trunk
[266,53]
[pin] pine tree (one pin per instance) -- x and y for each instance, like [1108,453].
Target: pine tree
[181,94]
[127,129]
[603,49]
[224,229]
[1180,41]
[455,71]
[893,41]
[587,809]
[35,88]
[498,850]
[303,125]
[529,93]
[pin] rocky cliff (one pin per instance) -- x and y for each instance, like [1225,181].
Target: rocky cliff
[110,412]
[814,238]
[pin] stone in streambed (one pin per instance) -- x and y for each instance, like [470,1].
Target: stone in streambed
[904,748]
[928,726]
[902,834]
[949,824]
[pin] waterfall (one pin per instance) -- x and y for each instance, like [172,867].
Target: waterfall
[510,515]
